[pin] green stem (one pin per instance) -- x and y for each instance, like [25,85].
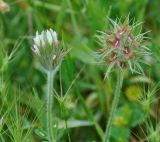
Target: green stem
[49,105]
[114,105]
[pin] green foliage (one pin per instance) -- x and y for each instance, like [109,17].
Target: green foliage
[82,97]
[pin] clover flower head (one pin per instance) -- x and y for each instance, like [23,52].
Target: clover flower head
[122,46]
[47,50]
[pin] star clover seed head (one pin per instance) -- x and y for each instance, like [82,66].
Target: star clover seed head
[122,46]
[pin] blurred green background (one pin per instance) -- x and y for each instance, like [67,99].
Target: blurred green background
[86,107]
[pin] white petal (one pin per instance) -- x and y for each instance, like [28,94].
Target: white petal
[35,49]
[54,57]
[37,39]
[49,37]
[42,39]
[51,31]
[54,35]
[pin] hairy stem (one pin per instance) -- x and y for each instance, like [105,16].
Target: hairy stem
[49,105]
[114,105]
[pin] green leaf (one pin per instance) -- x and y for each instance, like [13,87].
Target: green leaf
[74,123]
[122,116]
[120,134]
[40,133]
[138,115]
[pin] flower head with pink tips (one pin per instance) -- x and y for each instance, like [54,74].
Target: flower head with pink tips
[122,46]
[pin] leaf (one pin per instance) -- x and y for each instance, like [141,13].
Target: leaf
[120,134]
[138,115]
[74,123]
[122,116]
[40,133]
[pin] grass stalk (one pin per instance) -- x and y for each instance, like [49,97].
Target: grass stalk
[114,105]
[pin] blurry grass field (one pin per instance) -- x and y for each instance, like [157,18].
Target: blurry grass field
[82,115]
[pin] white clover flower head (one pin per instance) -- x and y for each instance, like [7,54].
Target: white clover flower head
[46,49]
[122,46]
[45,39]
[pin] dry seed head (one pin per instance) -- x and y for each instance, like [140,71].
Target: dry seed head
[122,47]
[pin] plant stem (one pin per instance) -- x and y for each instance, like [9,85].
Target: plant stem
[114,105]
[49,105]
